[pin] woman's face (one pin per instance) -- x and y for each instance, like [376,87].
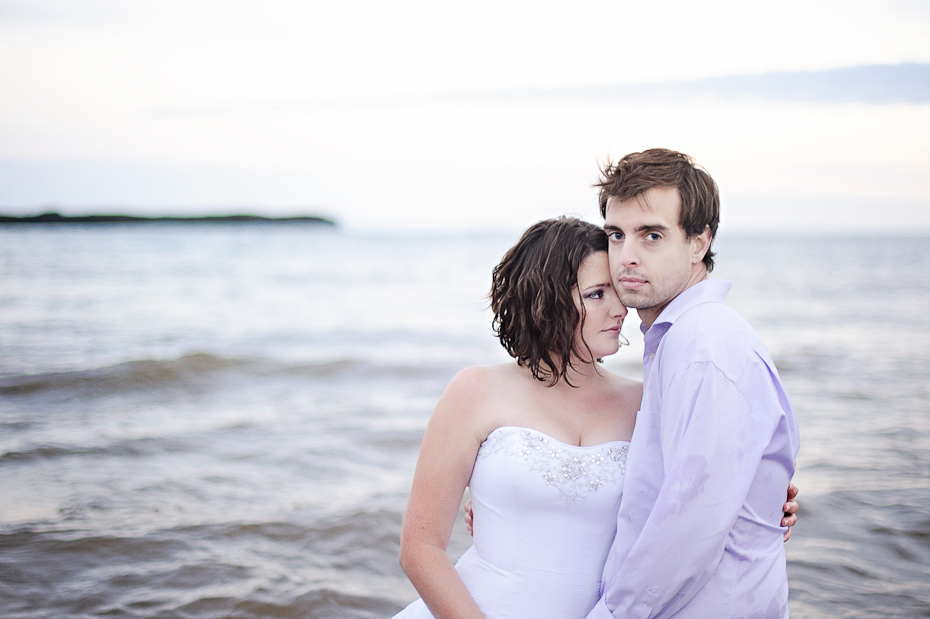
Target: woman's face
[603,311]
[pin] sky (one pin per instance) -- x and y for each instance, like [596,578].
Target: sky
[477,116]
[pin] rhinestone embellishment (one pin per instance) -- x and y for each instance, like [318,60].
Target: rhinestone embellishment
[573,474]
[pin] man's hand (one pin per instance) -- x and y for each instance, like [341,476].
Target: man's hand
[470,517]
[790,508]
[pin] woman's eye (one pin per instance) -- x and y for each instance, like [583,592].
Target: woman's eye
[597,294]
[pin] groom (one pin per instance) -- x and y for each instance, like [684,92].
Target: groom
[698,532]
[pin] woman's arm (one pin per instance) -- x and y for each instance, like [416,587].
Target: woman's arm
[447,456]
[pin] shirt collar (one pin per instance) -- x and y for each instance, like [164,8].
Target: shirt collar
[705,291]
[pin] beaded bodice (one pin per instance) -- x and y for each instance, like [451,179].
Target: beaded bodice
[574,471]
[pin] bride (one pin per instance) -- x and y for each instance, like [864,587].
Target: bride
[541,442]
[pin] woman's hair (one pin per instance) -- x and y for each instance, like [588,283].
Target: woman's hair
[531,294]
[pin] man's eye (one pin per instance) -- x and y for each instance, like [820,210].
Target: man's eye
[615,236]
[652,236]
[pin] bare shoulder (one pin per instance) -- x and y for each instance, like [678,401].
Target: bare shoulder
[474,394]
[625,394]
[626,387]
[480,381]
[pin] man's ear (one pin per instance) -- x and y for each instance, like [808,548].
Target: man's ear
[700,243]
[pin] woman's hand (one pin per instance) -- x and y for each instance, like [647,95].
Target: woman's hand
[790,508]
[470,517]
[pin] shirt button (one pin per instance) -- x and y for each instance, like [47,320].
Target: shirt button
[652,355]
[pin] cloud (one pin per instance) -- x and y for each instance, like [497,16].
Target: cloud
[874,85]
[907,83]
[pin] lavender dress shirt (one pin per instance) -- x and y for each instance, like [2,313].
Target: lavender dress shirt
[698,531]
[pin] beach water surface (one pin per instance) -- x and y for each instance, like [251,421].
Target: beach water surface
[223,420]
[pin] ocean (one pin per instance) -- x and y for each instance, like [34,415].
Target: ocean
[222,420]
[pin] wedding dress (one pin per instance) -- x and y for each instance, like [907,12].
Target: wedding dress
[545,516]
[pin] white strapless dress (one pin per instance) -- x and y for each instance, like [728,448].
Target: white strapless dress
[545,517]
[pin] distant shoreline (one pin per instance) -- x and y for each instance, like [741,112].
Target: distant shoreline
[56,218]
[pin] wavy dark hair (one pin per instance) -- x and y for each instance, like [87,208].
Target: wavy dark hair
[532,295]
[636,173]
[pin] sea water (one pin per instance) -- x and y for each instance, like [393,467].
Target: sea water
[223,420]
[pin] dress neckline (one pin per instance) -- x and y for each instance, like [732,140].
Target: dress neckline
[552,438]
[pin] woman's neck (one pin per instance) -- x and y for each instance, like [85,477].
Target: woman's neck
[577,375]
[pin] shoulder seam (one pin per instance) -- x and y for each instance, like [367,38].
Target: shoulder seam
[728,379]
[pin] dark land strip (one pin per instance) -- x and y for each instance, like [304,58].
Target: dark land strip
[56,218]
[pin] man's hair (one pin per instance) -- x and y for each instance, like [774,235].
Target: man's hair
[532,295]
[660,167]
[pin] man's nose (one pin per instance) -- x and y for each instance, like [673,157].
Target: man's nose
[628,254]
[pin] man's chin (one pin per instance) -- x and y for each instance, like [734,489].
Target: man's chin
[632,300]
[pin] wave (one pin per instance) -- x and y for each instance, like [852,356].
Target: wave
[145,373]
[343,566]
[322,602]
[347,530]
[72,543]
[197,370]
[122,448]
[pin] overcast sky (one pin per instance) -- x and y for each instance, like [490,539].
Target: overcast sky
[366,111]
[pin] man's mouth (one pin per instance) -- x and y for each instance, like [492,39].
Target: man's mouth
[632,283]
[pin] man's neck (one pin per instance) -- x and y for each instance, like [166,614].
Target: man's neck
[648,315]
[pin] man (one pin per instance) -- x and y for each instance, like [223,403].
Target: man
[698,531]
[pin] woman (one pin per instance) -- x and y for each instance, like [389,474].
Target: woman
[541,441]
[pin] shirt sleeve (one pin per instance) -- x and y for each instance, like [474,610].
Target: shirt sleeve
[712,442]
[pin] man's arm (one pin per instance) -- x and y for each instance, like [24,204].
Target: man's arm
[712,444]
[790,509]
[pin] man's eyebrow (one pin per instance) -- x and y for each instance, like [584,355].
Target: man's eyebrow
[650,227]
[643,228]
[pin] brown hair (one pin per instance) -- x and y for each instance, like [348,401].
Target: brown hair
[660,167]
[531,294]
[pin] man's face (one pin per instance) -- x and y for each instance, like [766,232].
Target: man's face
[651,259]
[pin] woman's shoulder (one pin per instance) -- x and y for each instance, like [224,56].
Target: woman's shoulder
[473,399]
[622,385]
[621,392]
[484,380]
